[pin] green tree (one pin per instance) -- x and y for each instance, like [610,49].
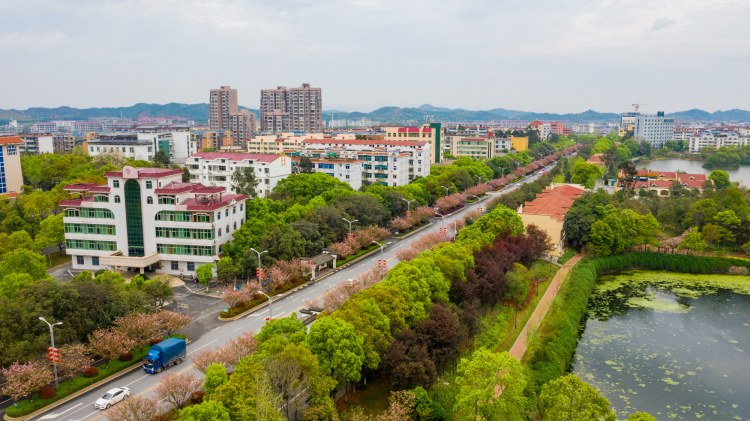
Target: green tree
[305,165]
[205,411]
[24,261]
[569,398]
[338,348]
[641,416]
[491,387]
[720,179]
[278,333]
[227,270]
[51,232]
[216,375]
[161,159]
[693,241]
[157,291]
[370,323]
[204,273]
[712,234]
[247,395]
[586,174]
[244,181]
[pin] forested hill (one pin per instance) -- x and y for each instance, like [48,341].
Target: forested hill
[390,114]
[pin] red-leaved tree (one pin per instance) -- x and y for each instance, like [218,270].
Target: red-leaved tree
[73,359]
[175,388]
[110,343]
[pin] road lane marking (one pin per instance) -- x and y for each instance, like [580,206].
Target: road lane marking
[196,349]
[138,379]
[53,415]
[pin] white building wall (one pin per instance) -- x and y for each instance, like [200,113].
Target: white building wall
[268,174]
[654,129]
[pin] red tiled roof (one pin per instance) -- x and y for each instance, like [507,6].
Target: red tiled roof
[81,187]
[202,205]
[554,202]
[691,177]
[10,140]
[147,172]
[411,143]
[175,187]
[208,189]
[237,156]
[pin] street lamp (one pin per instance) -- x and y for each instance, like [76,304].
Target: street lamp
[270,303]
[381,246]
[259,253]
[447,190]
[52,339]
[350,224]
[481,179]
[408,203]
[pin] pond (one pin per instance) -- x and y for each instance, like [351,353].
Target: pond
[741,174]
[674,345]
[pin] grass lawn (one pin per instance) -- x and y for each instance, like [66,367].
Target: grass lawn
[58,259]
[68,387]
[566,256]
[357,254]
[373,398]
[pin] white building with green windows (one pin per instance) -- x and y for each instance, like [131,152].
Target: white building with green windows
[148,219]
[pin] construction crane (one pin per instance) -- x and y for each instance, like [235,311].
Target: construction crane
[636,106]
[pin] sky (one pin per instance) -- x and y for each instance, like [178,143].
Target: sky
[531,55]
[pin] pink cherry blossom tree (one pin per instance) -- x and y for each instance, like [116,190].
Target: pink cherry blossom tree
[133,408]
[23,379]
[110,343]
[175,388]
[73,359]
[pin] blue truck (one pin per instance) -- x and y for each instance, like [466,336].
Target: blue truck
[165,354]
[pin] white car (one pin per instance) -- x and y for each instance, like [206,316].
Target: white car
[112,397]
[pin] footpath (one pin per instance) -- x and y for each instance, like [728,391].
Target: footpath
[522,342]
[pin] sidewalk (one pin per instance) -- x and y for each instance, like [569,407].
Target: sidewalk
[522,342]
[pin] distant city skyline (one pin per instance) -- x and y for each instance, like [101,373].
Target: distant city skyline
[539,55]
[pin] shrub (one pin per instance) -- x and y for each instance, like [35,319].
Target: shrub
[126,356]
[47,392]
[153,341]
[197,397]
[90,372]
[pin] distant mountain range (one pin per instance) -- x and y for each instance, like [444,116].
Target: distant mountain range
[199,113]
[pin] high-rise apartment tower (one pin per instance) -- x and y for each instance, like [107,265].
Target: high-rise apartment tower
[291,109]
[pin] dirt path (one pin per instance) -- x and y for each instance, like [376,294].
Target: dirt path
[522,342]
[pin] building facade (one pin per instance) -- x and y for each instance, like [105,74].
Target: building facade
[349,171]
[217,168]
[291,109]
[222,102]
[716,139]
[473,147]
[11,175]
[37,143]
[653,129]
[547,211]
[125,144]
[433,133]
[64,143]
[147,219]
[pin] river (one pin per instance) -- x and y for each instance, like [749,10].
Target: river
[674,345]
[695,167]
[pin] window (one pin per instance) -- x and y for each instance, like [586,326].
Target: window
[219,235]
[241,206]
[116,184]
[150,200]
[12,150]
[117,199]
[79,260]
[234,209]
[149,184]
[191,266]
[235,224]
[226,212]
[218,215]
[175,265]
[227,228]
[95,260]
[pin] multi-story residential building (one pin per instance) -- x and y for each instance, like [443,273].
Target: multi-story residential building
[127,145]
[44,127]
[391,163]
[242,125]
[147,219]
[217,168]
[654,129]
[222,102]
[349,171]
[37,143]
[716,139]
[86,126]
[11,175]
[177,142]
[291,109]
[502,145]
[63,143]
[287,142]
[433,133]
[473,147]
[212,139]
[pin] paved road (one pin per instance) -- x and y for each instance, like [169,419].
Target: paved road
[140,383]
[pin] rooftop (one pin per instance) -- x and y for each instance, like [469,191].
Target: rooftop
[131,172]
[10,140]
[554,202]
[211,203]
[331,141]
[236,156]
